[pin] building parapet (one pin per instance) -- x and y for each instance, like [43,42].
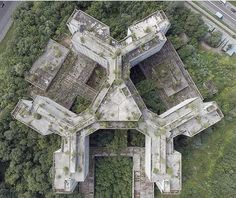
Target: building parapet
[118,105]
[47,65]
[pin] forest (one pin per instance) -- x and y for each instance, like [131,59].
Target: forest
[209,159]
[118,174]
[113,175]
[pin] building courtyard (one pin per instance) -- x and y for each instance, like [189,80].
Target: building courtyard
[115,102]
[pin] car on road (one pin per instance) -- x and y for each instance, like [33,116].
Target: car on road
[233,10]
[223,1]
[219,15]
[2,4]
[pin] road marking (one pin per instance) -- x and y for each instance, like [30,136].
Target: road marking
[210,18]
[222,11]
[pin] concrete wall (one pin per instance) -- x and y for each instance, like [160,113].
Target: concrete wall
[72,28]
[148,156]
[87,52]
[147,54]
[73,161]
[164,28]
[86,155]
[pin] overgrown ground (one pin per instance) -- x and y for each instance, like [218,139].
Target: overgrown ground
[26,158]
[233,2]
[209,163]
[209,159]
[113,177]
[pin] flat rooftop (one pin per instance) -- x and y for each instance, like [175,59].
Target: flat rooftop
[119,105]
[90,24]
[47,65]
[155,22]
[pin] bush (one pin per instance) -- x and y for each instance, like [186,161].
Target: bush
[214,39]
[37,116]
[28,156]
[113,177]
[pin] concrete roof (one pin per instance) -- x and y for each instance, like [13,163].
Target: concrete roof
[117,106]
[156,22]
[47,65]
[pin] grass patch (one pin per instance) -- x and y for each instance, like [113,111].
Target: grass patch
[80,105]
[209,162]
[233,2]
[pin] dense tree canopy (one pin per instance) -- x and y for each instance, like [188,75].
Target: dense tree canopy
[113,177]
[26,157]
[214,38]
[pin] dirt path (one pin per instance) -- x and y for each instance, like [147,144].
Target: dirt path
[210,49]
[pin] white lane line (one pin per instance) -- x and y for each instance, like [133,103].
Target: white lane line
[222,11]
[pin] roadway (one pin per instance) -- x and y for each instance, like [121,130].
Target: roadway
[5,16]
[229,17]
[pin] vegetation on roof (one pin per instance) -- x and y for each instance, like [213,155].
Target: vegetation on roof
[26,157]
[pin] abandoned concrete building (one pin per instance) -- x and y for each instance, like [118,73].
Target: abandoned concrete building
[116,103]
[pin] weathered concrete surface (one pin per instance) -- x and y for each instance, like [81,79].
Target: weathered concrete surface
[162,162]
[142,186]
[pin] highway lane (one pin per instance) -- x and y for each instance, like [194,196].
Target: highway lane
[229,17]
[225,9]
[5,16]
